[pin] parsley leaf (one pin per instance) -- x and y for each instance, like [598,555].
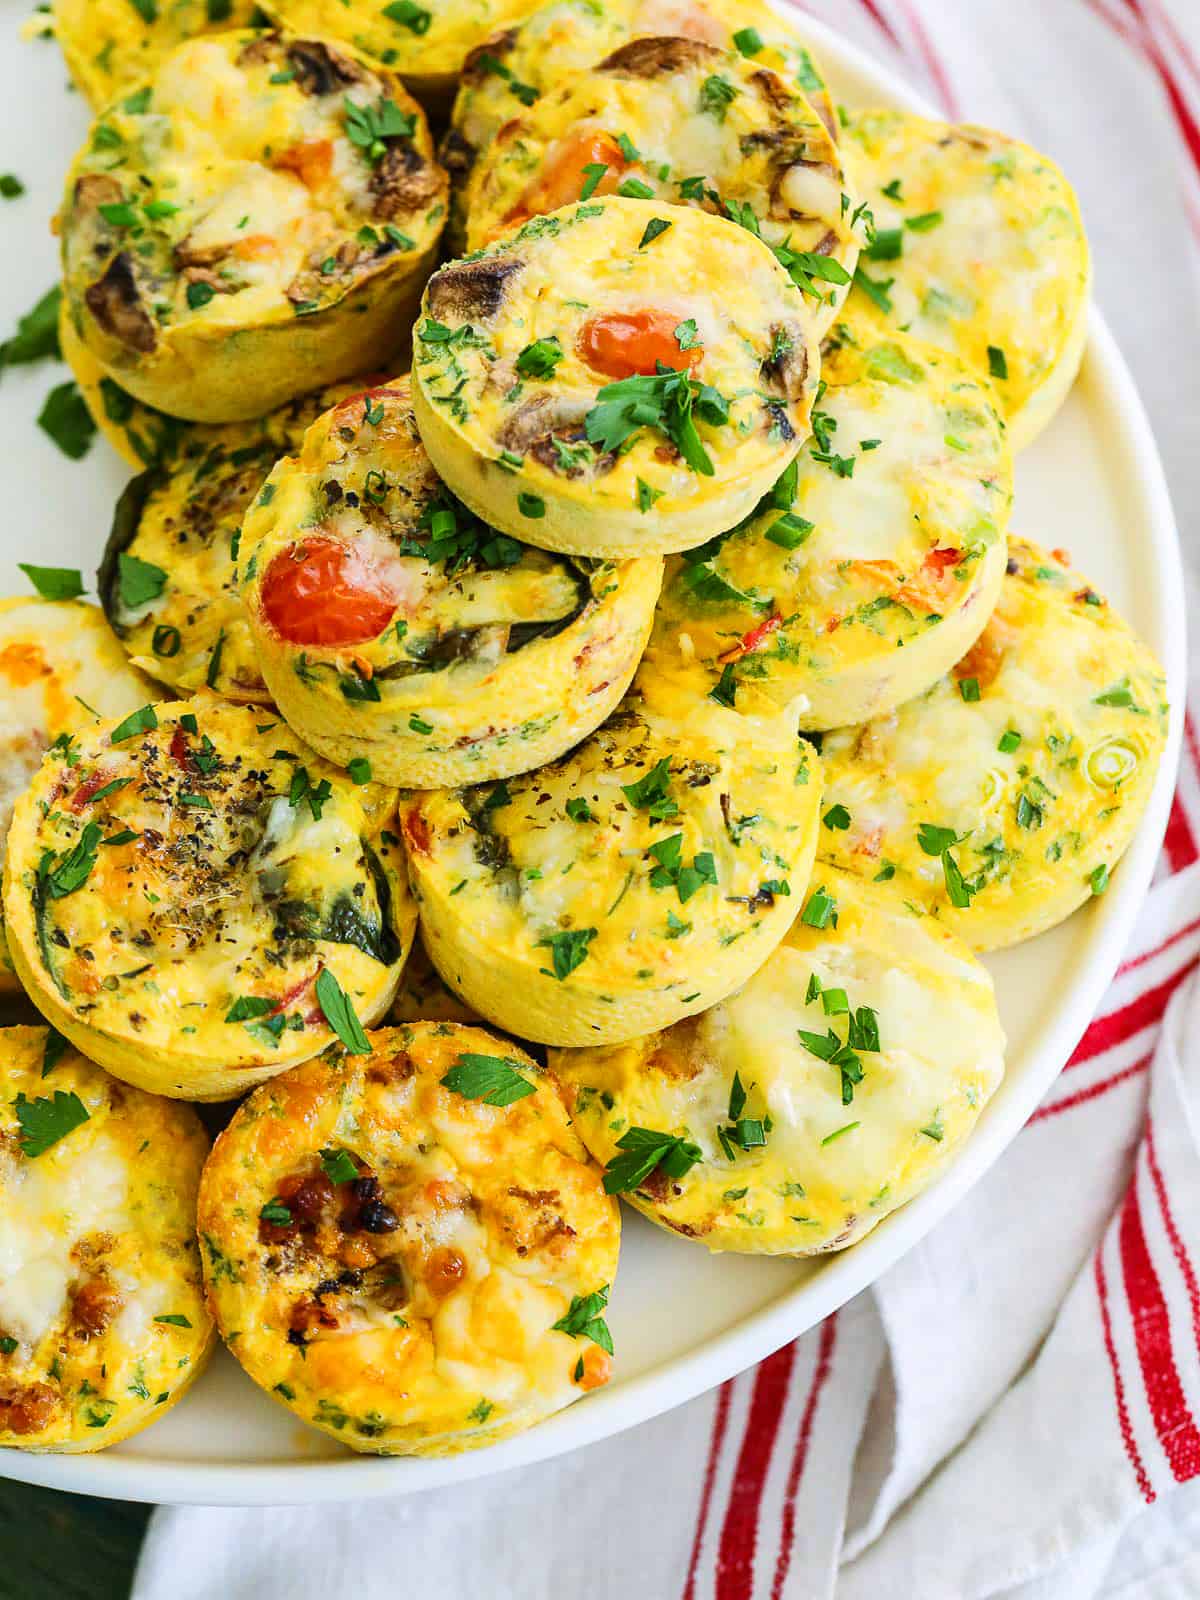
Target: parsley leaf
[642,1151]
[138,581]
[54,583]
[338,1166]
[61,877]
[67,421]
[584,1321]
[568,950]
[45,1122]
[492,1079]
[651,792]
[369,126]
[339,1013]
[36,338]
[664,401]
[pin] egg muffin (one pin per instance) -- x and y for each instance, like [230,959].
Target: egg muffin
[425,44]
[113,45]
[168,580]
[680,120]
[796,1114]
[617,378]
[410,1247]
[400,634]
[60,671]
[980,249]
[1003,798]
[637,880]
[874,562]
[141,436]
[197,901]
[103,1324]
[503,76]
[255,221]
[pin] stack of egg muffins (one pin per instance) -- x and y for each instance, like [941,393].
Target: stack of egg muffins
[563,723]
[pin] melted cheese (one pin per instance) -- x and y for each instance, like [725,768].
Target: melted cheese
[832,1164]
[442,1338]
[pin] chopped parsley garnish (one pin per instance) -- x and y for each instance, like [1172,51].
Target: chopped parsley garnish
[651,792]
[54,583]
[664,401]
[275,1211]
[359,770]
[199,295]
[61,877]
[655,227]
[36,338]
[539,359]
[747,1133]
[1119,695]
[933,840]
[646,496]
[531,505]
[887,245]
[837,818]
[173,1319]
[492,1079]
[642,1151]
[1029,813]
[11,186]
[246,1007]
[369,127]
[997,362]
[748,41]
[66,419]
[1097,882]
[875,289]
[1009,741]
[583,1319]
[568,950]
[687,335]
[635,189]
[924,222]
[339,1013]
[593,172]
[413,17]
[417,724]
[54,1048]
[717,94]
[807,269]
[45,1122]
[138,581]
[724,691]
[578,810]
[672,873]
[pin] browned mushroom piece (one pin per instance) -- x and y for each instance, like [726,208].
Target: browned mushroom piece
[470,289]
[658,57]
[116,303]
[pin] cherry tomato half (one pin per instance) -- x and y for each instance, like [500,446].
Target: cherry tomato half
[322,592]
[622,344]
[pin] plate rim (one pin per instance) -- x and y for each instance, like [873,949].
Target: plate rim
[676,1380]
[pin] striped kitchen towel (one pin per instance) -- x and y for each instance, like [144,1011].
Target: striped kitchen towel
[1014,1409]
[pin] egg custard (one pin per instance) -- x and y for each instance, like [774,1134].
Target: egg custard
[1002,798]
[60,671]
[797,1113]
[502,77]
[425,44]
[875,561]
[197,901]
[113,45]
[255,221]
[980,249]
[618,378]
[103,1325]
[635,881]
[168,580]
[399,633]
[410,1247]
[682,121]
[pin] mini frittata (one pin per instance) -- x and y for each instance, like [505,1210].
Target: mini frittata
[617,378]
[402,636]
[103,1324]
[683,121]
[795,1115]
[635,881]
[198,901]
[425,44]
[113,45]
[502,77]
[168,580]
[874,562]
[410,1247]
[253,222]
[60,670]
[1003,798]
[980,249]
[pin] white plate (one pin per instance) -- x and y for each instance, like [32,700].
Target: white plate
[682,1320]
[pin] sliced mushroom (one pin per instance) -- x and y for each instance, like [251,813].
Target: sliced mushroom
[117,306]
[658,57]
[469,289]
[403,182]
[320,69]
[773,90]
[478,63]
[96,189]
[456,153]
[785,371]
[550,429]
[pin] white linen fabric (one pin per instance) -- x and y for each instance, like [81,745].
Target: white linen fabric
[1014,1409]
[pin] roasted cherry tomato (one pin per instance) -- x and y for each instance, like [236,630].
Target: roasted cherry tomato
[320,591]
[622,344]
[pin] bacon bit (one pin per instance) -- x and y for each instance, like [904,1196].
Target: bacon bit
[94,1305]
[88,788]
[255,247]
[928,589]
[311,161]
[751,641]
[27,1410]
[306,1197]
[180,753]
[310,1313]
[415,829]
[444,1271]
[939,559]
[597,1368]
